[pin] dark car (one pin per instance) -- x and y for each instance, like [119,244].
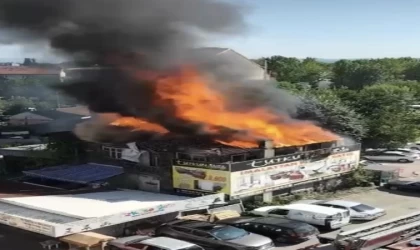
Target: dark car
[214,236]
[278,229]
[403,185]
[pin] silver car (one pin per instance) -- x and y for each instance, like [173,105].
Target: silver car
[149,243]
[358,211]
[214,236]
[395,156]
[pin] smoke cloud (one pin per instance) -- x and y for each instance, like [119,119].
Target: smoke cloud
[146,35]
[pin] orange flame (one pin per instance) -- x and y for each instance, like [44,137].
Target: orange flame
[195,101]
[135,123]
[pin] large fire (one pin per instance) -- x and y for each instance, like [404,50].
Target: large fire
[196,102]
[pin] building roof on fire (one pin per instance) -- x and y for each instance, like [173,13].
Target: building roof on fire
[192,146]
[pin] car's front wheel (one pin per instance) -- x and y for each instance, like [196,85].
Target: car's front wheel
[404,160]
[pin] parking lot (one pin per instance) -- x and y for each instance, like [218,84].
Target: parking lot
[395,203]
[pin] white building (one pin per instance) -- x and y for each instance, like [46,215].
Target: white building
[60,215]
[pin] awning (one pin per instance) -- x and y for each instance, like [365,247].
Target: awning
[86,239]
[83,174]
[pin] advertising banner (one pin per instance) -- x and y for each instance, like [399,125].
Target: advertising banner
[268,176]
[200,180]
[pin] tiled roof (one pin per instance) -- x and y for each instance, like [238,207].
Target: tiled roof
[24,70]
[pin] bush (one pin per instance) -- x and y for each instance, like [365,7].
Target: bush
[358,178]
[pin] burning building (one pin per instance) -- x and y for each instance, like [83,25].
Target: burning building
[150,84]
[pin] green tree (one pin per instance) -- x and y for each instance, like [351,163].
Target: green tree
[18,105]
[357,74]
[314,72]
[285,69]
[390,122]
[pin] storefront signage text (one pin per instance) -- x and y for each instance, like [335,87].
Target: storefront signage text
[274,161]
[222,167]
[148,211]
[264,169]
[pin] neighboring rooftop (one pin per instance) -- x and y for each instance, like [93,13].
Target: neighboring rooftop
[25,70]
[77,110]
[82,174]
[90,205]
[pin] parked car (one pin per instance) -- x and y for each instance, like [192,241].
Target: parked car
[278,229]
[213,236]
[415,152]
[358,211]
[394,156]
[149,243]
[404,185]
[414,145]
[331,218]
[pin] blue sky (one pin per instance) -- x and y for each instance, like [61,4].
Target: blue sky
[319,28]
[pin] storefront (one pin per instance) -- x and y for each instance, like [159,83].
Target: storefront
[254,177]
[200,178]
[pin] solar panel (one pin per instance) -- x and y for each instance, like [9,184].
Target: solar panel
[83,174]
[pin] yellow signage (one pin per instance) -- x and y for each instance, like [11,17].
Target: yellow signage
[200,179]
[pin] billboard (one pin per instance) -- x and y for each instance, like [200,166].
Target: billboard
[200,178]
[270,174]
[241,179]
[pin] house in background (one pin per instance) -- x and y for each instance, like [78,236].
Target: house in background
[40,117]
[230,62]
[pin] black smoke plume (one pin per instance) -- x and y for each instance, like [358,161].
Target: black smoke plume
[146,35]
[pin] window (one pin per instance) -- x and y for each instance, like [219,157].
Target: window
[113,153]
[238,158]
[362,208]
[203,234]
[154,160]
[198,158]
[279,212]
[182,229]
[228,233]
[271,229]
[182,156]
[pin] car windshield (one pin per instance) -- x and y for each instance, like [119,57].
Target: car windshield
[305,229]
[228,233]
[362,208]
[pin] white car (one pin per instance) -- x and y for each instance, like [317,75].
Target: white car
[328,217]
[358,211]
[388,155]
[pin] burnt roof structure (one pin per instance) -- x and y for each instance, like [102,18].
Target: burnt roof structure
[193,146]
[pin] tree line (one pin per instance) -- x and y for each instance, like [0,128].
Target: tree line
[368,100]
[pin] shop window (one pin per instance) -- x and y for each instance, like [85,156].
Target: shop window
[198,158]
[182,156]
[154,161]
[238,158]
[113,153]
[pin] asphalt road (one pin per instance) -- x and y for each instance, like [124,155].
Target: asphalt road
[394,202]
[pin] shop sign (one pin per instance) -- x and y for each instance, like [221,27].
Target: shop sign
[265,162]
[205,165]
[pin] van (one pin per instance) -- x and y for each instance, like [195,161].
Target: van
[331,218]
